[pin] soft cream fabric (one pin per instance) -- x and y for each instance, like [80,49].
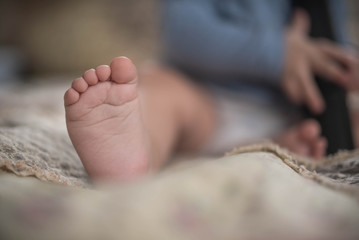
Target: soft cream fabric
[245,196]
[256,192]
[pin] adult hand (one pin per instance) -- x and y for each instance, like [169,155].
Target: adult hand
[348,63]
[306,57]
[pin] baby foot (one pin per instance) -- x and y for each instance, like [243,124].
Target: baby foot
[104,122]
[304,139]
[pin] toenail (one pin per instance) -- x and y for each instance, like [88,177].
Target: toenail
[90,70]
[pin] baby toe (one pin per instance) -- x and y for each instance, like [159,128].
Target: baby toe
[71,97]
[80,85]
[103,72]
[90,77]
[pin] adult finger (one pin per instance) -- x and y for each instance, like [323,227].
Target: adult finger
[301,21]
[292,90]
[312,96]
[331,70]
[336,52]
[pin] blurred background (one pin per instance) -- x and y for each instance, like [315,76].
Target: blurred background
[41,38]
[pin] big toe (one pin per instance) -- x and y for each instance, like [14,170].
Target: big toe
[123,70]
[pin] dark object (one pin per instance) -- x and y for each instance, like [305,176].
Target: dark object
[334,120]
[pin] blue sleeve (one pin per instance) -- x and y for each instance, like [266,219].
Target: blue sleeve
[196,38]
[339,13]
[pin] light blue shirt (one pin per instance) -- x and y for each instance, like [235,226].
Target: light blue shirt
[235,43]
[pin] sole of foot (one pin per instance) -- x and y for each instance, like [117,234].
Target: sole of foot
[104,122]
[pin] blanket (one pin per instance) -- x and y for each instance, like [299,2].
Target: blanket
[254,192]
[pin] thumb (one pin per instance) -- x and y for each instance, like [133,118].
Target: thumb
[301,21]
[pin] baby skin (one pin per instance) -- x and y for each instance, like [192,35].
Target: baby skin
[121,135]
[104,121]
